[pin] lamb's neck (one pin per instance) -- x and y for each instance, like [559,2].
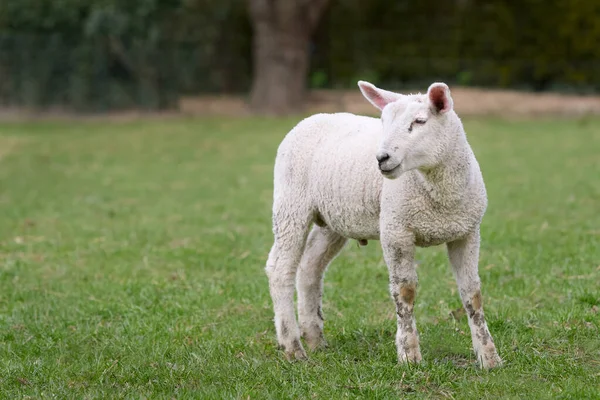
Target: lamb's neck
[447,183]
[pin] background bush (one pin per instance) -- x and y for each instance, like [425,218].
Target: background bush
[107,54]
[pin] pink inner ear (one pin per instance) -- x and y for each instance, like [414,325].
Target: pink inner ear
[380,101]
[376,97]
[437,96]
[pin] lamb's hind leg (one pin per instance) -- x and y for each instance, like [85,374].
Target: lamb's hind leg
[464,257]
[290,237]
[321,248]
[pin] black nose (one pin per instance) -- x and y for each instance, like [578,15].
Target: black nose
[382,157]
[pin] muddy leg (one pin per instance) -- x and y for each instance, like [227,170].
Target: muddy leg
[464,257]
[398,251]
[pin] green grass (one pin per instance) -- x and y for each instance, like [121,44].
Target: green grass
[132,256]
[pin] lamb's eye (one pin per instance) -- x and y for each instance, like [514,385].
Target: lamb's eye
[420,121]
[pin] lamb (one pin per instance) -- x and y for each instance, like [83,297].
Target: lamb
[408,179]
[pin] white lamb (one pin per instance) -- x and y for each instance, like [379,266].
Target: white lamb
[330,172]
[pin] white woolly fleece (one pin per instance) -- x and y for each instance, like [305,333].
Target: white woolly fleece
[408,179]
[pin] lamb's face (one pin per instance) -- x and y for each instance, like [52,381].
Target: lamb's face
[415,128]
[413,137]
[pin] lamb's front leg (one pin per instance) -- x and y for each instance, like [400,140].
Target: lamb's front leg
[398,250]
[464,257]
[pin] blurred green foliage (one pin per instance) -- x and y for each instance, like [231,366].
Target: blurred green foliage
[528,44]
[106,54]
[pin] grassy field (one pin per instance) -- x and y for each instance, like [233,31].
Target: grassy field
[132,256]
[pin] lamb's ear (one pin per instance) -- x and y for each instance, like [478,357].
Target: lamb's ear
[378,97]
[439,97]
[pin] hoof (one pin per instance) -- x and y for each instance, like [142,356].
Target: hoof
[296,355]
[411,356]
[295,351]
[490,361]
[314,338]
[316,343]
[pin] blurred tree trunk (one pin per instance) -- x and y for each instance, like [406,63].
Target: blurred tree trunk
[282,32]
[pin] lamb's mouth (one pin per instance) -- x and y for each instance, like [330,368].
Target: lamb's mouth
[389,171]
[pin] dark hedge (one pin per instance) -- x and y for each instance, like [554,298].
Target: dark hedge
[110,54]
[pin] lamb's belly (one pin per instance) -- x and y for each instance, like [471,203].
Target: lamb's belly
[352,223]
[347,198]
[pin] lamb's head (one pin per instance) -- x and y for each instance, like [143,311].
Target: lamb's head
[418,130]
